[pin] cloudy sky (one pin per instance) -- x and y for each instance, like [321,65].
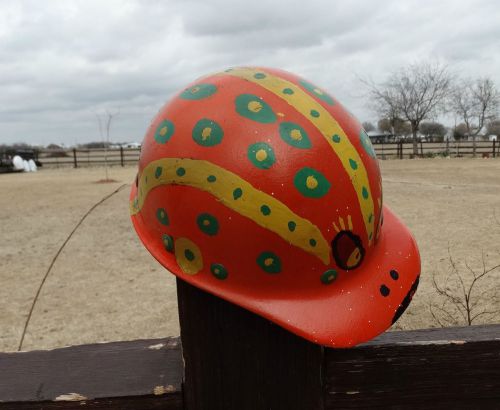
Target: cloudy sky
[63,62]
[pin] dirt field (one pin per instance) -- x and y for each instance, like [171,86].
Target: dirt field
[105,286]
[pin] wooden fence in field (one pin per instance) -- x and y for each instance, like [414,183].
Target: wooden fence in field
[402,149]
[79,157]
[229,358]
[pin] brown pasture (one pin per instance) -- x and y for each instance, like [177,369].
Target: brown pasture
[105,286]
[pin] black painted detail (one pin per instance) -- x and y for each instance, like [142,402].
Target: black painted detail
[347,250]
[406,301]
[394,274]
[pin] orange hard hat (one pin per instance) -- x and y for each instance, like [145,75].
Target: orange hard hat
[259,187]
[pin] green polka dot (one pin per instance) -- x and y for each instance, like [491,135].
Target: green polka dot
[314,113]
[370,218]
[162,216]
[158,172]
[311,183]
[164,131]
[329,276]
[294,135]
[367,144]
[208,224]
[261,155]
[219,271]
[211,178]
[259,76]
[254,108]
[364,192]
[207,133]
[180,171]
[353,164]
[312,242]
[336,138]
[317,92]
[265,210]
[291,226]
[269,262]
[188,253]
[198,91]
[287,91]
[370,236]
[237,193]
[168,242]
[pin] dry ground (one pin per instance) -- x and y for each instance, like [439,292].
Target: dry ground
[105,285]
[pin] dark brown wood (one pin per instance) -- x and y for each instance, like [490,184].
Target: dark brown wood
[151,402]
[433,368]
[121,155]
[494,148]
[237,360]
[455,368]
[75,164]
[147,373]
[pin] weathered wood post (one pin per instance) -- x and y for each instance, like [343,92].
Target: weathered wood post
[75,164]
[494,148]
[121,155]
[235,359]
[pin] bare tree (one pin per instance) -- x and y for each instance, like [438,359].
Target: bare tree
[460,300]
[106,127]
[460,131]
[493,128]
[413,94]
[368,126]
[476,102]
[433,130]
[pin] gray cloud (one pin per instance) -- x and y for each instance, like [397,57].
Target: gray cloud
[61,62]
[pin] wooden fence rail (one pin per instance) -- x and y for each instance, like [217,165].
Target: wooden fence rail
[233,359]
[79,157]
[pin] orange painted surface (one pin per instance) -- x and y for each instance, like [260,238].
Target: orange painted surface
[268,257]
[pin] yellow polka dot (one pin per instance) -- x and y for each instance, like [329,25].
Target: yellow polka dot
[261,155]
[163,131]
[296,135]
[254,106]
[188,256]
[318,91]
[216,271]
[206,133]
[311,182]
[280,114]
[206,222]
[194,90]
[268,261]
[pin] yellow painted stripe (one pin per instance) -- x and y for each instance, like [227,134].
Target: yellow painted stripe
[247,202]
[328,126]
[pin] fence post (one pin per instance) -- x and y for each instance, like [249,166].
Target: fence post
[75,164]
[235,359]
[421,149]
[121,155]
[494,148]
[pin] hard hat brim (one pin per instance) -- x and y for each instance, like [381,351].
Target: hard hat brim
[372,297]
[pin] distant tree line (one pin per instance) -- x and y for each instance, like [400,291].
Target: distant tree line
[410,98]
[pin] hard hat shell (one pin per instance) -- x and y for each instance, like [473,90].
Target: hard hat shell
[260,188]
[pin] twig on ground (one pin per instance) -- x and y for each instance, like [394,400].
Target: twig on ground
[55,258]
